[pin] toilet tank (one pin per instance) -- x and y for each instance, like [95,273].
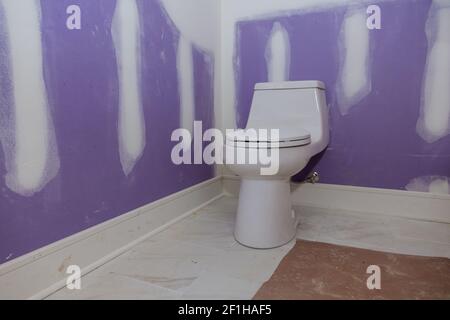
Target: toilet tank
[292,107]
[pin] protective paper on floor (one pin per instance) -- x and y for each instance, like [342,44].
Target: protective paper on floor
[314,270]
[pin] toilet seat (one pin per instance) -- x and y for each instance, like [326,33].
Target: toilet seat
[239,139]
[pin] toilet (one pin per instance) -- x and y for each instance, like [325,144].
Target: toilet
[265,217]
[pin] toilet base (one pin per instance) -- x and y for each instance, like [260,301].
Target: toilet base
[265,218]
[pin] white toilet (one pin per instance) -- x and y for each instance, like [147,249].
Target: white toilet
[265,218]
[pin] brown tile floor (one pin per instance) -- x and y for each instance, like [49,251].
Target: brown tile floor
[314,270]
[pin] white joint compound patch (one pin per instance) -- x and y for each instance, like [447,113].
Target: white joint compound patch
[278,54]
[126,36]
[432,184]
[434,120]
[354,82]
[28,136]
[185,66]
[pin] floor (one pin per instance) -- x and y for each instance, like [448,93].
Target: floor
[198,258]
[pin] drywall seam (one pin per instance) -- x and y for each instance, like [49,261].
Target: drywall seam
[278,54]
[131,126]
[434,120]
[354,78]
[185,67]
[27,135]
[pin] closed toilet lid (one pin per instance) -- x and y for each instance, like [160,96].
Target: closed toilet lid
[242,138]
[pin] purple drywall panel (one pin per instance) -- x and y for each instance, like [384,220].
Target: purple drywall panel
[82,85]
[376,144]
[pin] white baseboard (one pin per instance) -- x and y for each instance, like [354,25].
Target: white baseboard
[42,272]
[406,204]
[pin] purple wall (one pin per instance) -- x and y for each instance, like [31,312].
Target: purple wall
[82,84]
[376,143]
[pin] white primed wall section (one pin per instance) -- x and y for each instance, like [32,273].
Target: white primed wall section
[434,120]
[28,138]
[278,54]
[126,36]
[185,66]
[354,82]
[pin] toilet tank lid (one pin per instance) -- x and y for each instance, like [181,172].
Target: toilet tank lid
[290,85]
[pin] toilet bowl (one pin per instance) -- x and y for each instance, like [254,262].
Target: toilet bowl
[298,111]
